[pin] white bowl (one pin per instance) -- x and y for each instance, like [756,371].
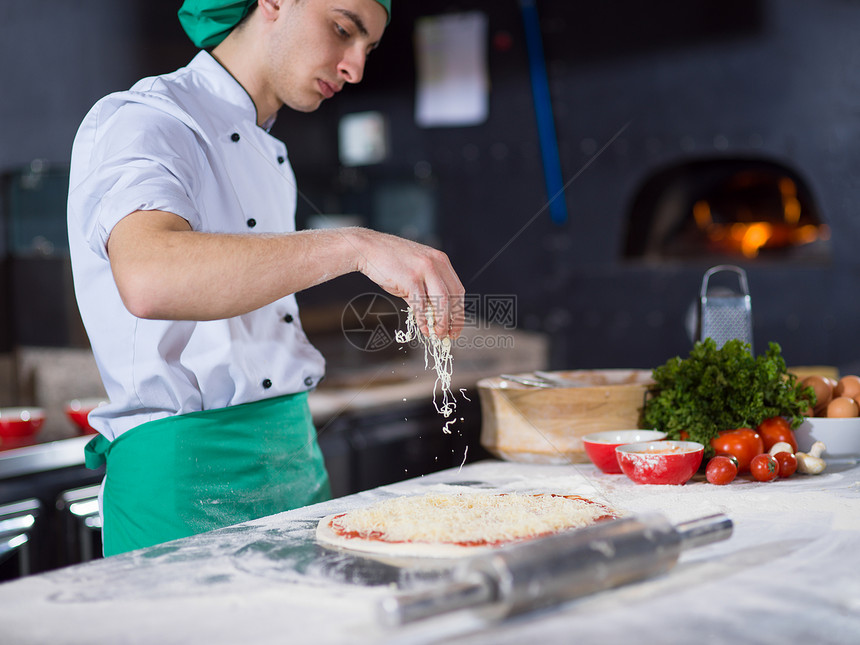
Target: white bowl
[841,436]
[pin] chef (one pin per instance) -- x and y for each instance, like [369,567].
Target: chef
[186,262]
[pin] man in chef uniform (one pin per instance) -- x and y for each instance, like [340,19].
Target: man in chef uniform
[186,262]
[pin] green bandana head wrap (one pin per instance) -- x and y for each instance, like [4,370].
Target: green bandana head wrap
[207,22]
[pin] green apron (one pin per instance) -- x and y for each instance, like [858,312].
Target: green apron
[191,473]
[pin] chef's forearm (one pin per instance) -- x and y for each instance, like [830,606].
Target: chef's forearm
[165,270]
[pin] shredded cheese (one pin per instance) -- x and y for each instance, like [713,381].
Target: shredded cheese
[439,351]
[469,518]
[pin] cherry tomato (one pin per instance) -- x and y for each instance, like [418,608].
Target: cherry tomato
[787,463]
[721,470]
[743,443]
[764,467]
[774,430]
[730,457]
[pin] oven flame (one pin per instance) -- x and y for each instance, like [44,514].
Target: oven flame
[746,208]
[749,233]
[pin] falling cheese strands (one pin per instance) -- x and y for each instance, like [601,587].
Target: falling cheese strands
[439,350]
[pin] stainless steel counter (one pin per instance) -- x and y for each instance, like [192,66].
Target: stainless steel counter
[787,574]
[43,457]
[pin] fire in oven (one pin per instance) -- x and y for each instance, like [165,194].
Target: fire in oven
[743,209]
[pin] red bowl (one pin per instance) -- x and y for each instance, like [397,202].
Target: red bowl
[660,462]
[600,446]
[20,422]
[79,409]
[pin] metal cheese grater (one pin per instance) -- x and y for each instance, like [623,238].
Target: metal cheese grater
[725,314]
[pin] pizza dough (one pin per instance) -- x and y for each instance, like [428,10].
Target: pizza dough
[456,525]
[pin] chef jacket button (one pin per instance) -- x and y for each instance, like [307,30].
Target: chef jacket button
[288,318]
[267,383]
[281,159]
[309,381]
[235,136]
[251,223]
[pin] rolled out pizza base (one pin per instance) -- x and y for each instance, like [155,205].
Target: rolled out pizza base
[459,525]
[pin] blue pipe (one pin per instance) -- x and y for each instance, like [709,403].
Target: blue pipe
[543,113]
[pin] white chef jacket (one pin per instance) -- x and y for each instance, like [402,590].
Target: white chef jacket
[186,143]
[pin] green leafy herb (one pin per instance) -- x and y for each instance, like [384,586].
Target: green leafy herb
[721,389]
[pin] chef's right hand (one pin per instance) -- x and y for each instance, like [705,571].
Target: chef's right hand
[419,274]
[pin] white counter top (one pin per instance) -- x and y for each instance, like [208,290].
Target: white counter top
[789,573]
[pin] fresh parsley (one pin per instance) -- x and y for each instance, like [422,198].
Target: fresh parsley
[721,389]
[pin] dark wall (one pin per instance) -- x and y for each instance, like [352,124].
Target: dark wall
[60,56]
[775,79]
